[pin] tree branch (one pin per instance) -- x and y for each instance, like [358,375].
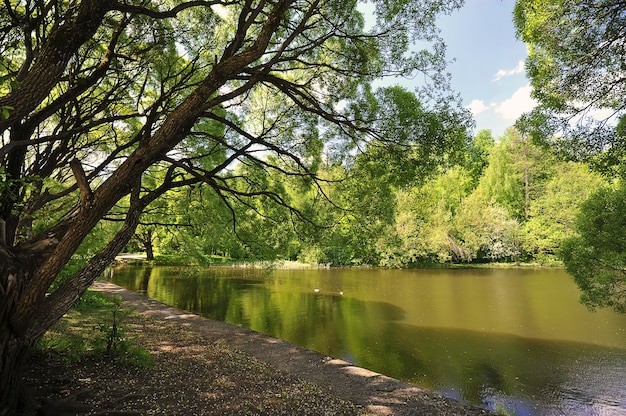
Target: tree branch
[52,60]
[83,185]
[156,14]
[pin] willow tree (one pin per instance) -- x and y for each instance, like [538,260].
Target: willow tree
[95,94]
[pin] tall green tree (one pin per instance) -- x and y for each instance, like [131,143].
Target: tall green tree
[478,151]
[96,92]
[516,169]
[553,210]
[502,181]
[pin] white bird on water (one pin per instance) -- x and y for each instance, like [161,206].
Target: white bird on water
[317,290]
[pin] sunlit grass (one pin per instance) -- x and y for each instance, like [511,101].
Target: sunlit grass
[95,327]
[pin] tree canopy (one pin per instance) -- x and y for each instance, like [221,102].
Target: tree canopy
[576,64]
[106,106]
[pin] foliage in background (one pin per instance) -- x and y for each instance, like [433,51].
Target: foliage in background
[505,201]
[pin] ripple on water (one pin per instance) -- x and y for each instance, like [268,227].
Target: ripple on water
[587,388]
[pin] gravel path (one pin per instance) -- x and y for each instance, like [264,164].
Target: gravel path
[379,394]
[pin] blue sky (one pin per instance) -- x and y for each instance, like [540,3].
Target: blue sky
[488,70]
[488,67]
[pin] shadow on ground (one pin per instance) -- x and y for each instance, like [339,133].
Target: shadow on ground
[379,394]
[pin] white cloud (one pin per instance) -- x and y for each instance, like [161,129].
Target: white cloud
[519,103]
[508,72]
[477,106]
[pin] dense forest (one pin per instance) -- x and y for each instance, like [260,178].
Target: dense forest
[499,199]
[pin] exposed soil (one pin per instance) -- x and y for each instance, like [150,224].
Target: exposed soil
[205,367]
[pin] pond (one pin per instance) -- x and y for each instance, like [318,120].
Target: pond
[511,340]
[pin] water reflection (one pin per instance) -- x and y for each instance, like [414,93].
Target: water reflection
[493,338]
[529,376]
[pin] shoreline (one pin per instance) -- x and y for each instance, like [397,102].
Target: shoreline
[377,393]
[134,258]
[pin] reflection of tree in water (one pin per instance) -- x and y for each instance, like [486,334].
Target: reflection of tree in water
[482,368]
[143,287]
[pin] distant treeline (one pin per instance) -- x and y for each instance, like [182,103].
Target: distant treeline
[498,200]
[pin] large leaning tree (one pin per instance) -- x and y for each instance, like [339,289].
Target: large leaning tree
[106,105]
[577,67]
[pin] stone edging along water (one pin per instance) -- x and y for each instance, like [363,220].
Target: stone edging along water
[381,395]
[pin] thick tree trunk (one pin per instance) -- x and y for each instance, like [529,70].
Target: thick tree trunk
[149,250]
[27,309]
[145,237]
[14,397]
[14,344]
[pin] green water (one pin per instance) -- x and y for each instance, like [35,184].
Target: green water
[515,340]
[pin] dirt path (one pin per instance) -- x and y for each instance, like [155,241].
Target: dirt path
[379,394]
